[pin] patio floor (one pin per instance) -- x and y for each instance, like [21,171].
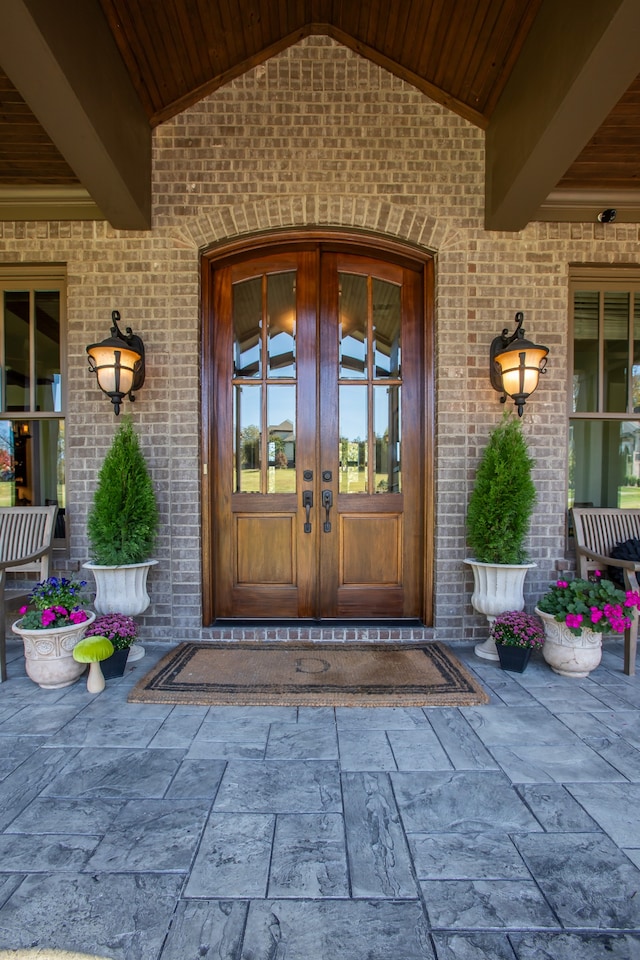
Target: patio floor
[146,832]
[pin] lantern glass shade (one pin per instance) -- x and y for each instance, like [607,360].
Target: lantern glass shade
[114,367]
[520,369]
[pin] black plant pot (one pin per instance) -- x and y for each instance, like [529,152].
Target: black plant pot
[114,665]
[514,659]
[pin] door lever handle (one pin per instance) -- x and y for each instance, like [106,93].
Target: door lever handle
[307,503]
[327,503]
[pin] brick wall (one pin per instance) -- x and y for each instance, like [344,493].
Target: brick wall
[317,136]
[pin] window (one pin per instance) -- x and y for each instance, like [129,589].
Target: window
[32,402]
[604,424]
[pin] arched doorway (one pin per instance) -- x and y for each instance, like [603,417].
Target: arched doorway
[317,432]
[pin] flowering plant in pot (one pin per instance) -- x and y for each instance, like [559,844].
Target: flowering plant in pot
[516,635]
[52,622]
[575,614]
[55,602]
[596,604]
[122,631]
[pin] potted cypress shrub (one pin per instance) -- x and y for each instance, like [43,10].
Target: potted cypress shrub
[498,520]
[122,526]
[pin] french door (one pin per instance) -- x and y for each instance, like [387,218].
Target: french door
[314,409]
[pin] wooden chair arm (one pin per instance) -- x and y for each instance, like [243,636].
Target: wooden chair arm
[18,561]
[608,561]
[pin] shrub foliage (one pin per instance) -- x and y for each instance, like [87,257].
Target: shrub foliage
[503,497]
[123,521]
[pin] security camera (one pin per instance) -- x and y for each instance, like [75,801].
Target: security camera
[607,216]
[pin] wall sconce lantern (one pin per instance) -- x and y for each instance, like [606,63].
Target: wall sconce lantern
[516,365]
[118,363]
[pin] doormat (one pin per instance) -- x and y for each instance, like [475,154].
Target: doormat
[310,675]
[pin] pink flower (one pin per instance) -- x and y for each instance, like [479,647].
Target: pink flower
[574,619]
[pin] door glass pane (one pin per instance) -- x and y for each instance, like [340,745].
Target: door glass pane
[353,439]
[247,326]
[386,329]
[281,413]
[16,350]
[386,429]
[616,351]
[247,438]
[353,326]
[604,463]
[281,324]
[585,350]
[47,323]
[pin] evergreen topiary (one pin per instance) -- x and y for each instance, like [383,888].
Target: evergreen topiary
[503,497]
[123,521]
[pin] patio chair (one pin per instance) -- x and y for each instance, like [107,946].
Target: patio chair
[26,543]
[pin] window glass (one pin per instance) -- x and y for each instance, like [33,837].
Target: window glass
[32,434]
[604,448]
[586,315]
[604,463]
[17,367]
[281,324]
[615,352]
[247,439]
[353,326]
[247,326]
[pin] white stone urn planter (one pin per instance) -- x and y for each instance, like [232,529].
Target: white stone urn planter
[121,589]
[48,653]
[498,587]
[567,654]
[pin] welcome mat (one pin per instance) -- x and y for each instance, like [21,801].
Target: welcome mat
[310,675]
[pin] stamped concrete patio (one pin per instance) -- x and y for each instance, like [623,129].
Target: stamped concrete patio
[140,832]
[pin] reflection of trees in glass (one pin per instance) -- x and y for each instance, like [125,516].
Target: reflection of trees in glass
[7,462]
[250,447]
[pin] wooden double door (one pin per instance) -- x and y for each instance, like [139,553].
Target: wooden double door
[314,418]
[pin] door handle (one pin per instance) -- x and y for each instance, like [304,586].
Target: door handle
[307,503]
[327,503]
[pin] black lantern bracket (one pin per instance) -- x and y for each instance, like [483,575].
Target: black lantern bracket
[134,342]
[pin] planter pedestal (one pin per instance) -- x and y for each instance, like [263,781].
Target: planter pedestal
[566,654]
[498,588]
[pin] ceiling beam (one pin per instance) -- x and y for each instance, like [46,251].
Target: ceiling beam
[579,59]
[70,73]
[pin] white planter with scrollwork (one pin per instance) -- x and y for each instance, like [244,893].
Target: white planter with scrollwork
[568,654]
[48,653]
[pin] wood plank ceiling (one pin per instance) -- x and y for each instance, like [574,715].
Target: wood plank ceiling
[477,57]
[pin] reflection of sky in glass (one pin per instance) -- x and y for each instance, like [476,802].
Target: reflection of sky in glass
[282,402]
[353,413]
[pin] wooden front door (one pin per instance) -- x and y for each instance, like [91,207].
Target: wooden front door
[315,425]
